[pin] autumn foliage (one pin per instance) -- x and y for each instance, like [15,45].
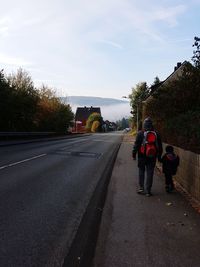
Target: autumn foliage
[26,108]
[94,123]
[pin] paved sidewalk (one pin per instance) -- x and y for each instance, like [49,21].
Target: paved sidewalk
[162,230]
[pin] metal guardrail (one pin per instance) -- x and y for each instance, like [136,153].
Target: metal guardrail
[18,134]
[7,140]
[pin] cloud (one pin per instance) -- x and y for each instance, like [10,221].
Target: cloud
[183,41]
[13,61]
[104,18]
[3,31]
[5,20]
[4,25]
[116,45]
[116,112]
[61,38]
[168,14]
[145,20]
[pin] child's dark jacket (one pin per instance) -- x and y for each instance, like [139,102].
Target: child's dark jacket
[170,162]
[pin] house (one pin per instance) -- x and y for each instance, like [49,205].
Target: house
[178,72]
[81,116]
[109,126]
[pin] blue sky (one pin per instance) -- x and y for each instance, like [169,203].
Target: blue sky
[96,47]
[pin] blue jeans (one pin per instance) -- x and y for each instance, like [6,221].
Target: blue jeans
[147,165]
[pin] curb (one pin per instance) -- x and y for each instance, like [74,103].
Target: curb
[83,246]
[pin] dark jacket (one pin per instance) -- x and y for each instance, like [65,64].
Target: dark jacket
[138,143]
[170,163]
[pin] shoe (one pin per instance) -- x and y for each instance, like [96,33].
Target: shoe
[148,194]
[140,191]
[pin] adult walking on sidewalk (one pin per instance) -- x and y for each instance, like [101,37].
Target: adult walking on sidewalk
[148,147]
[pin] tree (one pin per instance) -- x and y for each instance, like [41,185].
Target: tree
[21,81]
[93,119]
[46,107]
[26,108]
[123,123]
[196,53]
[139,94]
[52,115]
[6,104]
[156,81]
[95,126]
[25,101]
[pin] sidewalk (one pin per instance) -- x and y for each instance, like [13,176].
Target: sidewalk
[162,230]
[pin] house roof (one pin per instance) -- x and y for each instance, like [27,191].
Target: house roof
[82,113]
[178,70]
[154,87]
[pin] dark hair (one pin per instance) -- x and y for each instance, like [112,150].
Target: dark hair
[148,124]
[169,149]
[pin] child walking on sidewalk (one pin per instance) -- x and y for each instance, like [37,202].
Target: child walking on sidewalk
[170,162]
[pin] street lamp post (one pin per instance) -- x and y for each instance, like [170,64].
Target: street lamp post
[137,118]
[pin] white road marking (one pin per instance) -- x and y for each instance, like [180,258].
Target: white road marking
[21,161]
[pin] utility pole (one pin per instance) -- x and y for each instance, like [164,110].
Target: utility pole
[137,118]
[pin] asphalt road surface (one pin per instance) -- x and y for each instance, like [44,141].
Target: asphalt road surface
[45,188]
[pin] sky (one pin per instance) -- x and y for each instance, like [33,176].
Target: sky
[96,47]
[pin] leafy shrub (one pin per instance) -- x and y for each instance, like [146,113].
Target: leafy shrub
[95,116]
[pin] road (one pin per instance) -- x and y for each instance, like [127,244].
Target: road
[45,188]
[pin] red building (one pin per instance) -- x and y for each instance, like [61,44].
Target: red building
[81,116]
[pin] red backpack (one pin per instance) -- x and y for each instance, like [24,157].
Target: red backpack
[149,145]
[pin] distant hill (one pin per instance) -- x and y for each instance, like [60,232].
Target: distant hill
[92,101]
[111,109]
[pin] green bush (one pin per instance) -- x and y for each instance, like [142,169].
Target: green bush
[183,131]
